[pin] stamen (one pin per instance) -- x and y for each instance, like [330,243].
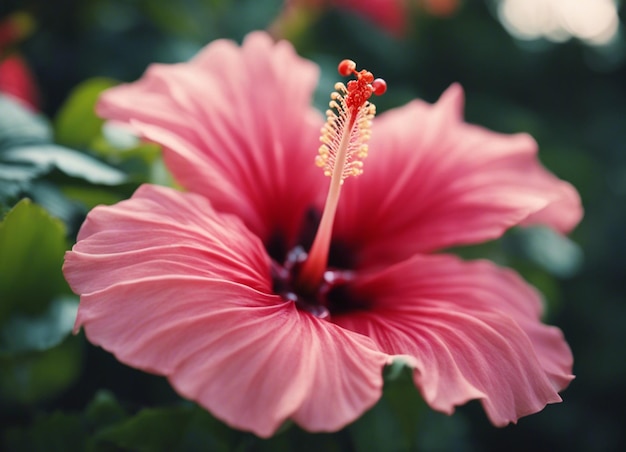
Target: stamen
[344,140]
[348,121]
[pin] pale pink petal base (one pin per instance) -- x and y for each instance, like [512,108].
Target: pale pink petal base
[473,331]
[172,287]
[432,181]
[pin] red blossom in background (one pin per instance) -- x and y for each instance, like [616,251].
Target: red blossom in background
[17,81]
[391,15]
[16,78]
[199,286]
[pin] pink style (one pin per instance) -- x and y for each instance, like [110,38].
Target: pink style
[258,308]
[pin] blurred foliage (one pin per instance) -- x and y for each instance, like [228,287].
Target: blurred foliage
[33,245]
[32,165]
[57,392]
[77,123]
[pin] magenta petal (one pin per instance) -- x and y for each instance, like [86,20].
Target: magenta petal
[474,331]
[161,231]
[172,287]
[236,126]
[249,358]
[262,367]
[432,181]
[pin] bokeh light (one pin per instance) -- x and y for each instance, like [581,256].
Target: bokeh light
[594,22]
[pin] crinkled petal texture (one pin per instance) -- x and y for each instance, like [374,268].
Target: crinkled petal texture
[172,287]
[432,181]
[237,126]
[473,331]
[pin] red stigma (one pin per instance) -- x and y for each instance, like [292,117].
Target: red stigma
[361,89]
[346,67]
[379,86]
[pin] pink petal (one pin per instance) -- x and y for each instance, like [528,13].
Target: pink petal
[160,230]
[237,126]
[171,287]
[266,366]
[473,331]
[432,181]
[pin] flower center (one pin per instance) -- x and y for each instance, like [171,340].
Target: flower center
[305,277]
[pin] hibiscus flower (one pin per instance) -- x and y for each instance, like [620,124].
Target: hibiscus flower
[264,296]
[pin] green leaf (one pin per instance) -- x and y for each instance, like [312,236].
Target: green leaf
[70,162]
[402,421]
[48,196]
[61,431]
[37,333]
[405,401]
[150,430]
[204,432]
[392,423]
[33,245]
[9,192]
[140,160]
[186,17]
[27,152]
[77,124]
[14,180]
[117,137]
[28,378]
[19,172]
[182,428]
[552,251]
[438,431]
[104,410]
[90,197]
[19,126]
[58,432]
